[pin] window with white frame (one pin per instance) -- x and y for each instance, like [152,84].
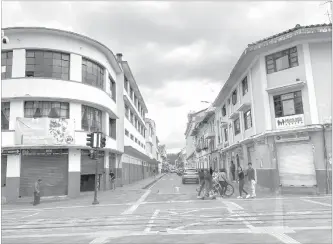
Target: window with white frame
[5,112]
[282,60]
[288,104]
[225,134]
[113,128]
[92,73]
[113,88]
[224,111]
[245,88]
[234,97]
[91,119]
[46,109]
[248,119]
[237,126]
[6,64]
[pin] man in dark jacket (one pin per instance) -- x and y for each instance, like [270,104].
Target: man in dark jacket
[233,170]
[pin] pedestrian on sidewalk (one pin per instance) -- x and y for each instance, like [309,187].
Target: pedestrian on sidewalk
[241,183]
[112,180]
[37,192]
[201,182]
[252,179]
[233,170]
[154,173]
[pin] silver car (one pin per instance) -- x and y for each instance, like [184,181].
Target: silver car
[190,175]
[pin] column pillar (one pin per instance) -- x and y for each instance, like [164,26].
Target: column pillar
[75,115]
[266,103]
[75,71]
[74,172]
[16,111]
[18,69]
[13,177]
[106,182]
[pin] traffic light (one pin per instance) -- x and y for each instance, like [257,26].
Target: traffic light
[103,142]
[90,140]
[92,154]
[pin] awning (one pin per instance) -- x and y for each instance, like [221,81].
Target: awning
[137,154]
[153,161]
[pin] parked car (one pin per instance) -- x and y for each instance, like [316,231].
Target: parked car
[190,175]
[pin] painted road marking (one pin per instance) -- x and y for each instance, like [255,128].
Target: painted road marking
[29,215]
[140,201]
[121,233]
[278,234]
[69,207]
[320,203]
[151,221]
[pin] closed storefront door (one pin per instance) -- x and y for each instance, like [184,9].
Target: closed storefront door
[3,170]
[88,170]
[52,169]
[296,164]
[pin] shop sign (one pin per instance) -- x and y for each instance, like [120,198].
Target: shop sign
[289,121]
[44,131]
[10,152]
[43,152]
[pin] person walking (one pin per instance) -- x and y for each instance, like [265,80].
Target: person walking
[252,179]
[222,177]
[112,180]
[208,183]
[241,183]
[201,182]
[37,192]
[233,170]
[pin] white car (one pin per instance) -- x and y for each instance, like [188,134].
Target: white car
[190,175]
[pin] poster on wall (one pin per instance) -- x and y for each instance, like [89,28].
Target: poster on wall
[44,131]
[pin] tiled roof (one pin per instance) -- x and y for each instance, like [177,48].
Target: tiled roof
[288,31]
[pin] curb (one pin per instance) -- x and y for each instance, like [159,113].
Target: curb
[151,183]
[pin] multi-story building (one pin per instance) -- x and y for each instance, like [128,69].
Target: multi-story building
[57,86]
[275,109]
[136,164]
[190,136]
[206,154]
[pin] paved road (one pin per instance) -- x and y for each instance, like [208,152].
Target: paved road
[169,212]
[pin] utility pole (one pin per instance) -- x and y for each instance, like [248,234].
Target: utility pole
[95,152]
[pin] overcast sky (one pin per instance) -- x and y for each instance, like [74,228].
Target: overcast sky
[181,53]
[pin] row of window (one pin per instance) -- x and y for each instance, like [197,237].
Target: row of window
[52,64]
[91,118]
[133,97]
[130,115]
[133,138]
[284,105]
[274,62]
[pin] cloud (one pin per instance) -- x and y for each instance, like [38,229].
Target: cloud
[180,52]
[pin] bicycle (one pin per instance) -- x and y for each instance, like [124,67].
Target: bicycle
[217,189]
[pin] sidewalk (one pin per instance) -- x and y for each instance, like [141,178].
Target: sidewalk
[127,193]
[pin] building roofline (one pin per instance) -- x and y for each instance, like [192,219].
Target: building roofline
[268,41]
[111,56]
[135,84]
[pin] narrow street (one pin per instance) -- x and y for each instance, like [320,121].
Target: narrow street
[169,212]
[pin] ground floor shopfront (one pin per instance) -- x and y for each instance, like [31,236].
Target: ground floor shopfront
[288,159]
[136,166]
[63,172]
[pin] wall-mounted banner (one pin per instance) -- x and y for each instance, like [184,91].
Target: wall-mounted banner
[43,152]
[44,131]
[289,121]
[10,151]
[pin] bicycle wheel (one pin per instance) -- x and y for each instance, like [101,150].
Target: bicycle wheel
[229,191]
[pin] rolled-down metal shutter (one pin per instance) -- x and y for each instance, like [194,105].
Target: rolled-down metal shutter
[52,169]
[88,166]
[3,170]
[296,164]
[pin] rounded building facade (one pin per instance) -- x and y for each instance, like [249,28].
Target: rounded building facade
[57,87]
